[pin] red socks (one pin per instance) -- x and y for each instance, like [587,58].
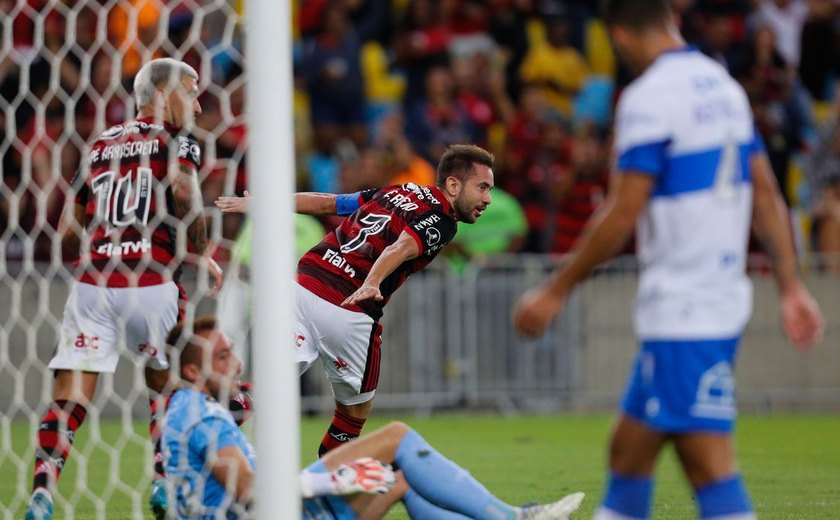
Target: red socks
[343,429]
[55,438]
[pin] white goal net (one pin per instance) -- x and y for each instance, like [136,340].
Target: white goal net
[66,74]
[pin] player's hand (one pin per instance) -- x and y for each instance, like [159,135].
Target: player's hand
[234,204]
[534,311]
[364,475]
[216,274]
[801,318]
[365,292]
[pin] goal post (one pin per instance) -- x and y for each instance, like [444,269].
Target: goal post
[271,167]
[66,74]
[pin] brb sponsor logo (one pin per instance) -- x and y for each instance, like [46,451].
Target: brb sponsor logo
[84,341]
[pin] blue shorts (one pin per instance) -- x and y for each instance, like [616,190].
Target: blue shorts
[684,386]
[326,507]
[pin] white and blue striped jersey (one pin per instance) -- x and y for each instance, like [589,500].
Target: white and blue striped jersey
[688,124]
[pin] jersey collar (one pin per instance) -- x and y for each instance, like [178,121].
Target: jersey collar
[447,207]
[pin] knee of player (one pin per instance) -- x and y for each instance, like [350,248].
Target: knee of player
[397,429]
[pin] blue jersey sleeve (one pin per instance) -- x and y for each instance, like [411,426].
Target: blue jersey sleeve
[758,143]
[212,434]
[648,158]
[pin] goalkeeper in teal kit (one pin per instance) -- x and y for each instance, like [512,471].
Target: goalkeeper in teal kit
[210,465]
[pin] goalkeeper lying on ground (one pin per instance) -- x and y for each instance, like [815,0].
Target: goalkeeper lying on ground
[206,454]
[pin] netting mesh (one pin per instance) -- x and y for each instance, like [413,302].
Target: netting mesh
[66,75]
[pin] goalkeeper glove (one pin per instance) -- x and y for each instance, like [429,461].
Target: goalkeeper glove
[364,475]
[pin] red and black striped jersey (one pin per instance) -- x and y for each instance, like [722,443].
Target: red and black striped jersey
[129,210]
[337,266]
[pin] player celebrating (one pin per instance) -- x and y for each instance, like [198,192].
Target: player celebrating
[210,465]
[345,281]
[136,190]
[691,171]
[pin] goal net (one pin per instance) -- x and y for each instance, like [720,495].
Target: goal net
[66,75]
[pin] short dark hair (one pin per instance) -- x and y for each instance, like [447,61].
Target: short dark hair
[636,14]
[183,337]
[458,161]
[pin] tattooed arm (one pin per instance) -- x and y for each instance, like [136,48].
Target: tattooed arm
[186,195]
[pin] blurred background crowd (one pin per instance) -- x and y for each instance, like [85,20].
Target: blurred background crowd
[383,86]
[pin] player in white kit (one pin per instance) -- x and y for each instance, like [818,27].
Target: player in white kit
[691,175]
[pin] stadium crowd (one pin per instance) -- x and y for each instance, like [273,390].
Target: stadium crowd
[382,86]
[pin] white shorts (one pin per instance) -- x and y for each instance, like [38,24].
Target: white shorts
[347,342]
[97,320]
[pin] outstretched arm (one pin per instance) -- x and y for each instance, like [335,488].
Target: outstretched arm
[306,203]
[605,233]
[801,316]
[404,249]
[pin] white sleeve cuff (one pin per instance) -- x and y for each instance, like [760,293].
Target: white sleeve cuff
[316,484]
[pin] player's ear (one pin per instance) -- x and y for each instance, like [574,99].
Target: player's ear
[453,186]
[191,372]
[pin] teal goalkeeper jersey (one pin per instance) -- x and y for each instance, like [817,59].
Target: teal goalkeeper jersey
[195,426]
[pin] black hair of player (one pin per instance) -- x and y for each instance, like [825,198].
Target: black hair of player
[184,338]
[458,161]
[636,15]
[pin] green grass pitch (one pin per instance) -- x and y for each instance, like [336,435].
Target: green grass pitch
[791,463]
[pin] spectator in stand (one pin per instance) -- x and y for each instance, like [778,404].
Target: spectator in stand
[438,120]
[420,45]
[822,169]
[508,24]
[581,190]
[369,17]
[480,84]
[133,27]
[41,201]
[545,170]
[820,60]
[523,136]
[400,161]
[334,82]
[770,82]
[786,19]
[101,106]
[717,42]
[556,66]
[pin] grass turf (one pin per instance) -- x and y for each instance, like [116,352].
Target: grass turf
[791,463]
